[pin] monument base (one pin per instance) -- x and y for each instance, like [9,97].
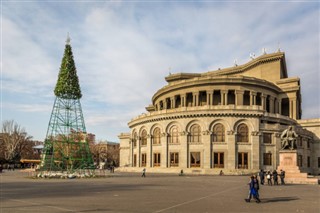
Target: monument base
[288,163]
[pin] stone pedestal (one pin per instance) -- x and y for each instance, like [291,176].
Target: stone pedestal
[288,163]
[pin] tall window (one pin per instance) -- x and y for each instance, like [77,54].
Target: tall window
[308,161]
[318,162]
[143,159]
[174,135]
[134,160]
[134,140]
[242,160]
[156,159]
[144,138]
[218,160]
[195,159]
[267,159]
[174,159]
[218,133]
[242,133]
[267,138]
[195,135]
[156,136]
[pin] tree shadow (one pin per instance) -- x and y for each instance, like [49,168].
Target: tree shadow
[278,199]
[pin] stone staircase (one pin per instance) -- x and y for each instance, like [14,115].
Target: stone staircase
[295,176]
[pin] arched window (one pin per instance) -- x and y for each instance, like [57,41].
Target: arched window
[218,133]
[242,133]
[195,133]
[134,139]
[156,136]
[174,135]
[144,138]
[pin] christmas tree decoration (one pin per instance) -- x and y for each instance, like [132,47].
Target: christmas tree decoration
[66,147]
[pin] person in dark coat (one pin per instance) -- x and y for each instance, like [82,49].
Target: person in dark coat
[261,176]
[275,177]
[253,189]
[282,176]
[143,172]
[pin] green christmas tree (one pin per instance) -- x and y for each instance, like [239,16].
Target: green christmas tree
[66,147]
[68,83]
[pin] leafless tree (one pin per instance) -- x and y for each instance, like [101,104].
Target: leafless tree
[12,138]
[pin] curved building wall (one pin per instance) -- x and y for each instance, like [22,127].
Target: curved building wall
[227,120]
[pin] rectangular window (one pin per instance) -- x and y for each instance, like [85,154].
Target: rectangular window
[156,159]
[218,160]
[134,160]
[267,159]
[143,159]
[299,160]
[308,144]
[267,138]
[308,161]
[195,159]
[318,162]
[242,160]
[174,159]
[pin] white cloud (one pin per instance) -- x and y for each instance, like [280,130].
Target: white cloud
[123,51]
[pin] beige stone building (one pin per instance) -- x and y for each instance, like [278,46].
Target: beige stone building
[230,119]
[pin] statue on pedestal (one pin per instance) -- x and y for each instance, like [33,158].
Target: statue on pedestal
[288,139]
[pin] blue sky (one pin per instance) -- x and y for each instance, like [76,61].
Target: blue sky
[123,50]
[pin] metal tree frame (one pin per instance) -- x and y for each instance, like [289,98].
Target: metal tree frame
[66,146]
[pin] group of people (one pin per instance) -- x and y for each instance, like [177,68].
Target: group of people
[254,185]
[271,176]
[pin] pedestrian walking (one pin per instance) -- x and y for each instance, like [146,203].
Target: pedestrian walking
[143,172]
[261,176]
[253,189]
[282,176]
[275,177]
[269,178]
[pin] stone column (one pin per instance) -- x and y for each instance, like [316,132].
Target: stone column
[172,102]
[183,100]
[209,97]
[164,104]
[138,152]
[239,97]
[224,97]
[255,144]
[207,149]
[271,104]
[263,101]
[230,160]
[184,151]
[293,108]
[149,152]
[164,150]
[279,108]
[253,98]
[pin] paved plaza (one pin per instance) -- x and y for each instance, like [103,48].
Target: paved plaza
[128,192]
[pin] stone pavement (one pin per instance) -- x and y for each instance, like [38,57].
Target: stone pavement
[129,192]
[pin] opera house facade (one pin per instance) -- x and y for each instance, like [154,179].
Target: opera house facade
[230,119]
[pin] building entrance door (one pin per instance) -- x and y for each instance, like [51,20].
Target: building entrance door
[242,160]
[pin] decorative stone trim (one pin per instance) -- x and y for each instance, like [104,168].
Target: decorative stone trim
[173,144]
[195,143]
[255,133]
[164,134]
[243,143]
[219,143]
[183,133]
[207,132]
[231,132]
